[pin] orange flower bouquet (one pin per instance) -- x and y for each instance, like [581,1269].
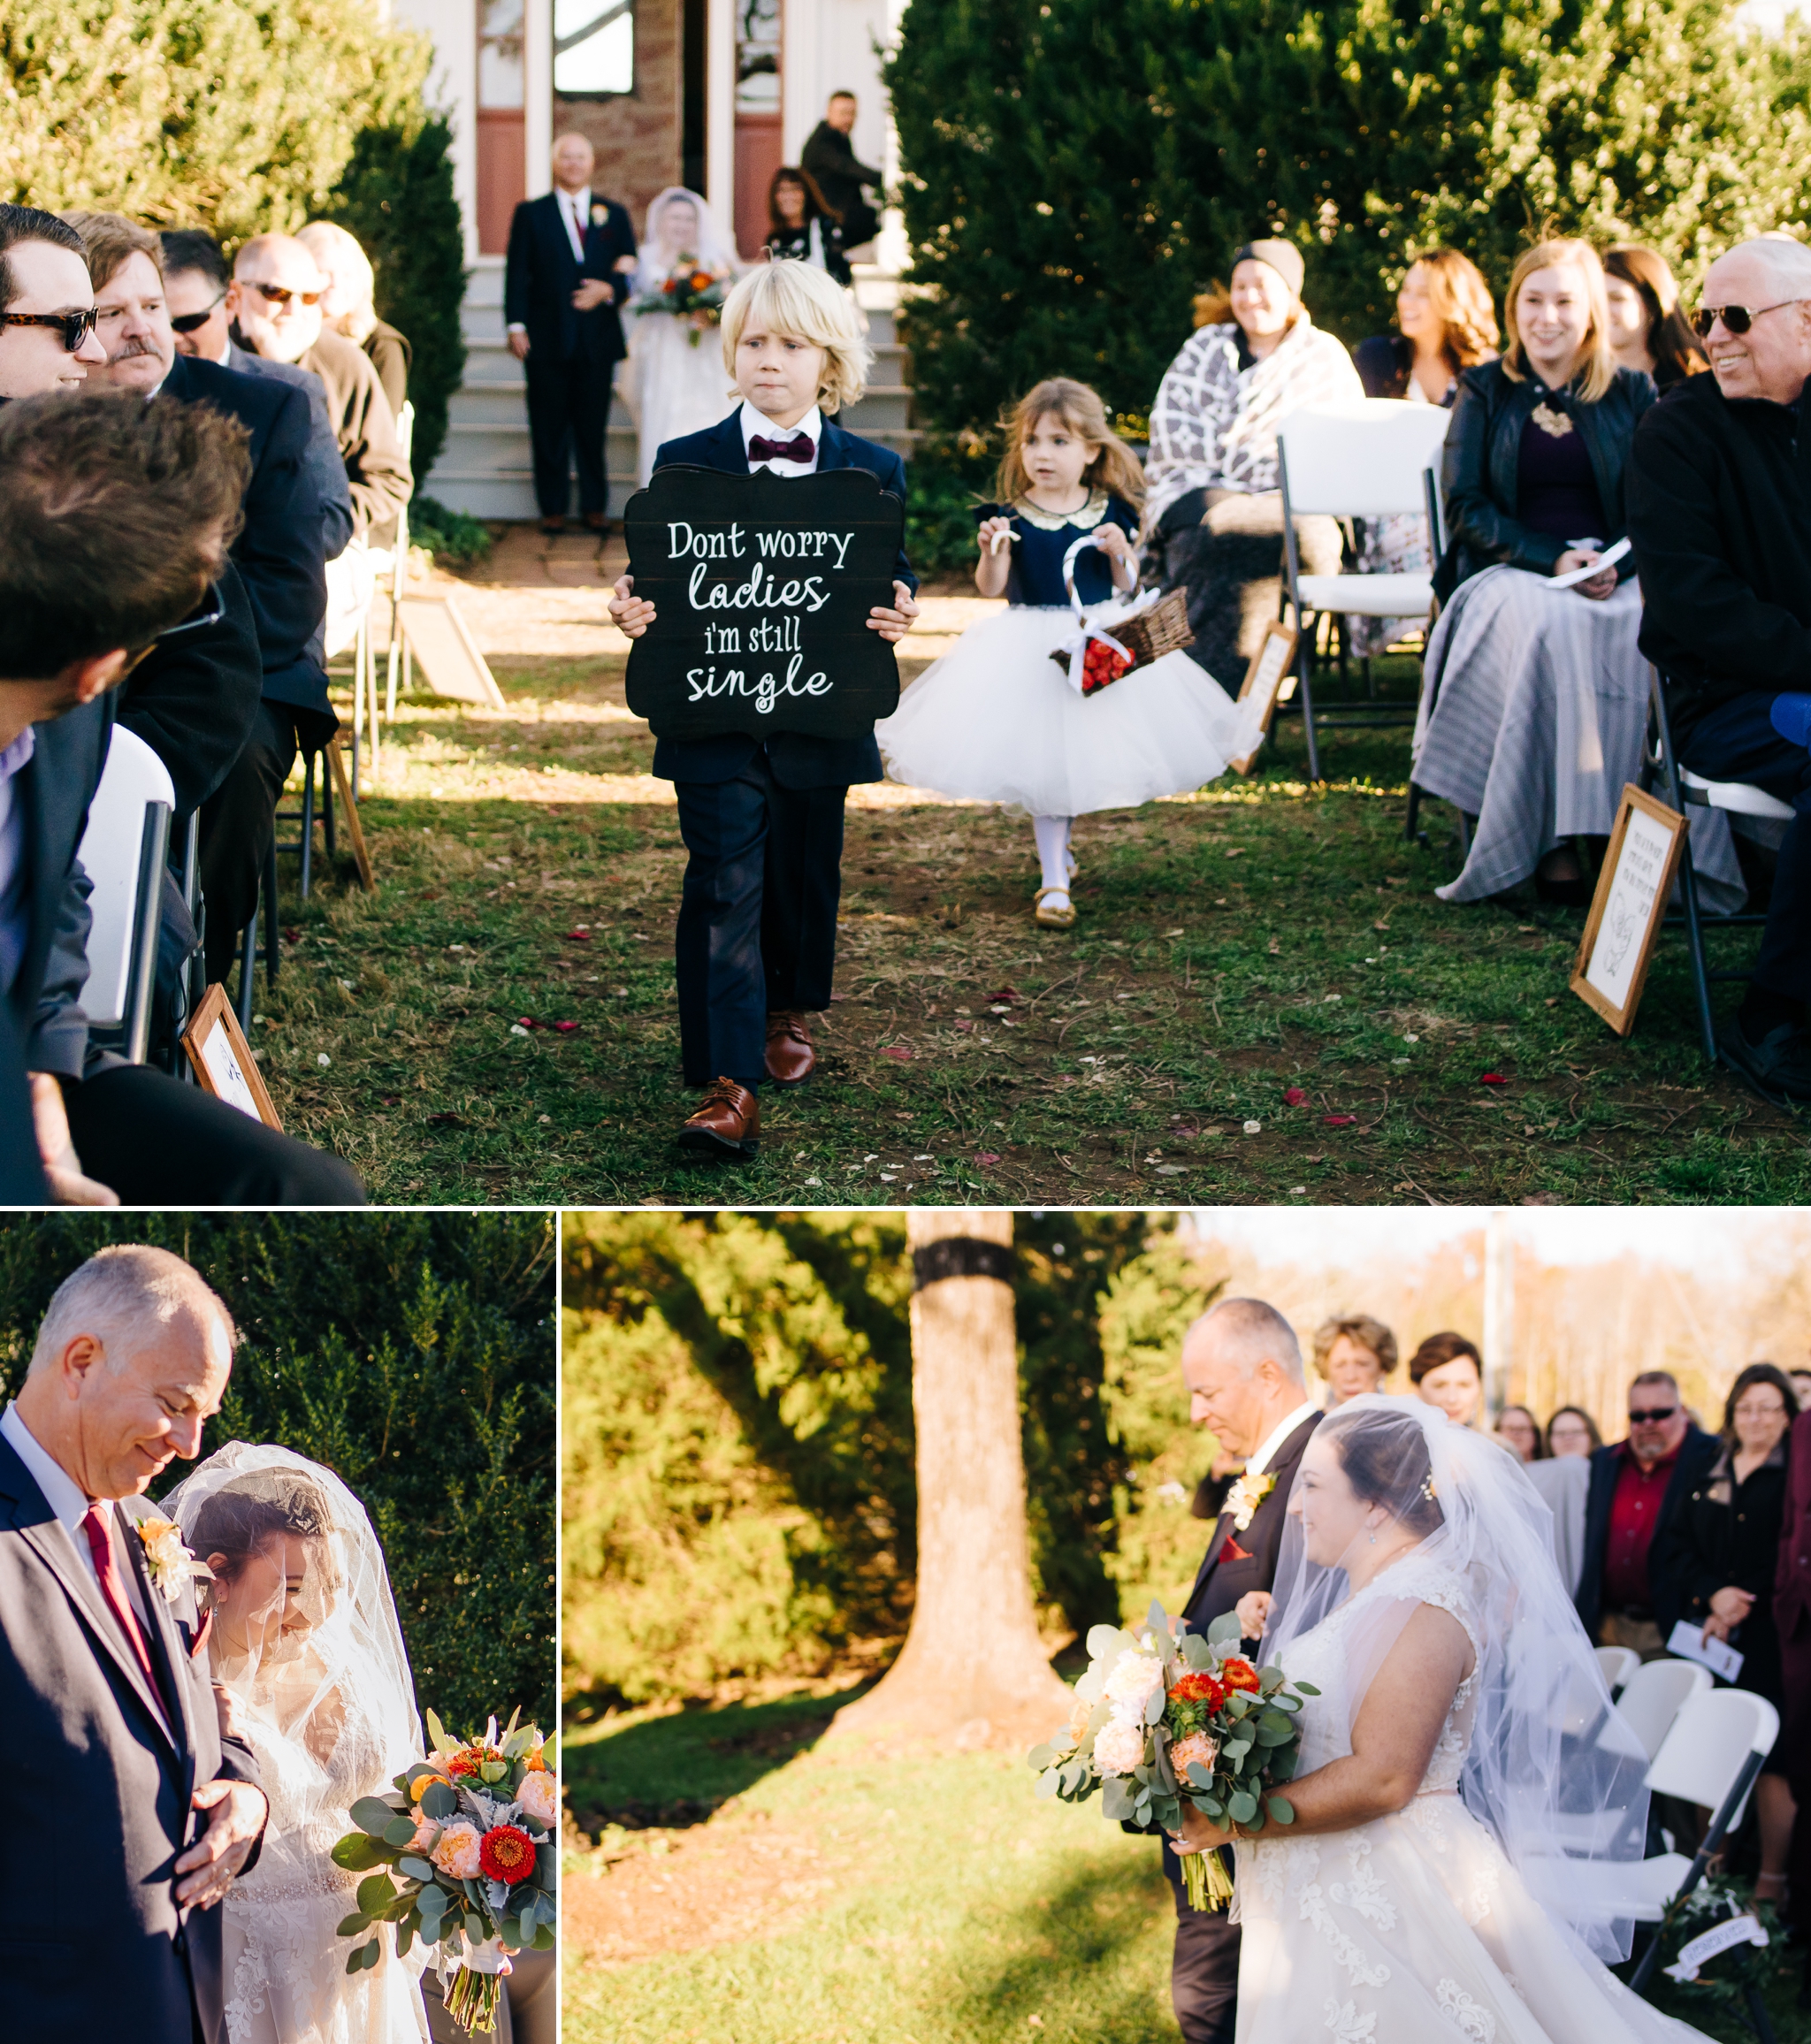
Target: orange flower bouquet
[461,1854]
[1167,1715]
[692,293]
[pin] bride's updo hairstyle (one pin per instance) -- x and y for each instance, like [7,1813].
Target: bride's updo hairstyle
[1390,1466]
[238,1524]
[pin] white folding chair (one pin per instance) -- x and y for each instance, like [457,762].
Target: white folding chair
[122,852]
[1655,1694]
[1367,460]
[1619,1664]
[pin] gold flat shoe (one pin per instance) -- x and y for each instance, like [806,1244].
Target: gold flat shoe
[1054,919]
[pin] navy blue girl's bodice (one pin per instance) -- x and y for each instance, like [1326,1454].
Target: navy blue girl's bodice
[1036,574]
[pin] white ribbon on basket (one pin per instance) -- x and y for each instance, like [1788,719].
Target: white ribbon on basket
[1091,624]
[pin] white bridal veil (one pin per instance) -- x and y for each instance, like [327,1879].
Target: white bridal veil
[662,246]
[1551,1769]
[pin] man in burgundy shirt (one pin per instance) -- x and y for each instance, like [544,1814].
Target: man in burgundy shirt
[1637,1486]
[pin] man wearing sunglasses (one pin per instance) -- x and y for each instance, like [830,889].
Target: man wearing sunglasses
[47,306]
[1638,1487]
[1719,509]
[116,517]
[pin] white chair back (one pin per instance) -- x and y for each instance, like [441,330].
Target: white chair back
[1618,1664]
[1656,1693]
[111,850]
[1713,1734]
[1363,460]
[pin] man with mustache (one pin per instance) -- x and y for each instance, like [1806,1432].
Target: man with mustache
[1719,509]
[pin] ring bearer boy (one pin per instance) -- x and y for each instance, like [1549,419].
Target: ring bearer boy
[762,818]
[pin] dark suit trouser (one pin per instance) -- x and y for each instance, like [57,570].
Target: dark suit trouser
[757,930]
[159,1142]
[1736,741]
[1204,1973]
[239,820]
[568,415]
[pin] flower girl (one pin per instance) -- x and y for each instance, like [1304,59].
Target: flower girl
[997,719]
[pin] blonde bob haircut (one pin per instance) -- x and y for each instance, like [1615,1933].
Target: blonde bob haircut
[804,302]
[1112,465]
[1596,370]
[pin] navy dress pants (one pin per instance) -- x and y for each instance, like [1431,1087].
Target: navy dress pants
[1204,1973]
[568,415]
[1736,741]
[757,931]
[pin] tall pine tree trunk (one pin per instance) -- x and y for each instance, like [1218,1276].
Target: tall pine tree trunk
[971,1671]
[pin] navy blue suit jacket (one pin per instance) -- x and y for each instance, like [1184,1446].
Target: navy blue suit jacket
[1697,1451]
[796,762]
[279,553]
[541,273]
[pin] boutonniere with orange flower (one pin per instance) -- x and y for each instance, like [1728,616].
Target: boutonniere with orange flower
[600,216]
[168,1562]
[1246,1495]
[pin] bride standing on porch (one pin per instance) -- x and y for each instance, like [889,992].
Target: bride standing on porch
[674,381]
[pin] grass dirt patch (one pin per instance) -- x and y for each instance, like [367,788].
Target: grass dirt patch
[1266,951]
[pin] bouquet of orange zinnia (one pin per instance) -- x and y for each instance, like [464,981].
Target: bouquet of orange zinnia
[469,1835]
[1167,1716]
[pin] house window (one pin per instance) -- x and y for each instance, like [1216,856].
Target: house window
[757,56]
[593,47]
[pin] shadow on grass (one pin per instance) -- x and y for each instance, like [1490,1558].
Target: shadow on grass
[1079,1958]
[677,1771]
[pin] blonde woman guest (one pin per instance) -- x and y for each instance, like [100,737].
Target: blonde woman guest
[762,820]
[1448,1371]
[1212,503]
[1354,1354]
[1444,324]
[1646,328]
[349,307]
[1535,702]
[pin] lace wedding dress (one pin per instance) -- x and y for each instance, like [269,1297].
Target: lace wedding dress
[305,1637]
[1418,1928]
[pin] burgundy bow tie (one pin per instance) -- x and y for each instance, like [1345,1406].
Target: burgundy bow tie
[799,449]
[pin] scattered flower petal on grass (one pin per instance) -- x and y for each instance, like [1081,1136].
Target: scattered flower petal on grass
[1294,1096]
[1493,1079]
[516,1029]
[581,935]
[987,1156]
[898,1051]
[1169,1170]
[965,1025]
[1254,1128]
[1338,1120]
[322,1059]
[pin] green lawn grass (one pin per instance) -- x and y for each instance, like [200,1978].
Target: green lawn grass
[1261,937]
[908,1899]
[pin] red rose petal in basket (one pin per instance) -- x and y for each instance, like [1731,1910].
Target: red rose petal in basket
[1294,1096]
[1493,1079]
[1338,1120]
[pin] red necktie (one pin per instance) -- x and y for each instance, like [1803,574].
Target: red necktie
[799,449]
[95,1525]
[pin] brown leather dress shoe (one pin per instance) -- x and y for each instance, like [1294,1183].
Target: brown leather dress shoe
[595,522]
[553,524]
[728,1124]
[791,1059]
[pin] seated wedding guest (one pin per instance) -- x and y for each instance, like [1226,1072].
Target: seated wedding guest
[840,175]
[1353,1355]
[801,228]
[47,306]
[1791,1619]
[1444,324]
[1535,702]
[1571,1431]
[195,283]
[1519,1432]
[1721,1550]
[1801,1387]
[1720,514]
[1212,501]
[1448,1371]
[115,519]
[1639,1486]
[349,307]
[1649,331]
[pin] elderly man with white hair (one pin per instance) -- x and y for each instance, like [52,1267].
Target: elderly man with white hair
[1241,1368]
[1719,509]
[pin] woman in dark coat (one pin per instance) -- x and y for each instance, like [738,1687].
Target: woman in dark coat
[1721,1550]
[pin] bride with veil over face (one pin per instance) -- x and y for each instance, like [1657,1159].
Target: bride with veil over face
[1463,1730]
[675,380]
[303,1635]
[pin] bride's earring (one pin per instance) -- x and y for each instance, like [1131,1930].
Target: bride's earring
[1373,1540]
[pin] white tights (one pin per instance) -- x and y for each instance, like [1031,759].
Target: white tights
[1052,834]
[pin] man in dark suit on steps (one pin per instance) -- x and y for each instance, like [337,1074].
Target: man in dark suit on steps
[1241,1364]
[566,273]
[756,942]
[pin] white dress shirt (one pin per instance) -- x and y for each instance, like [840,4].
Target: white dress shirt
[1273,1440]
[757,424]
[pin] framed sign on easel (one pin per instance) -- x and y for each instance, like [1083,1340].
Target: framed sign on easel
[222,1059]
[1262,688]
[1629,907]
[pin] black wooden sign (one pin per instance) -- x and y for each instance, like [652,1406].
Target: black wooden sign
[761,586]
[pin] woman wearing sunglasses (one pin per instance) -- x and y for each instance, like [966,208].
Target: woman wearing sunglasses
[1536,697]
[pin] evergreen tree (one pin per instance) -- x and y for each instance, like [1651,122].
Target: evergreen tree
[1074,174]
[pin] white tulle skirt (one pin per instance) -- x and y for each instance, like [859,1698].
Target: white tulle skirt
[995,720]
